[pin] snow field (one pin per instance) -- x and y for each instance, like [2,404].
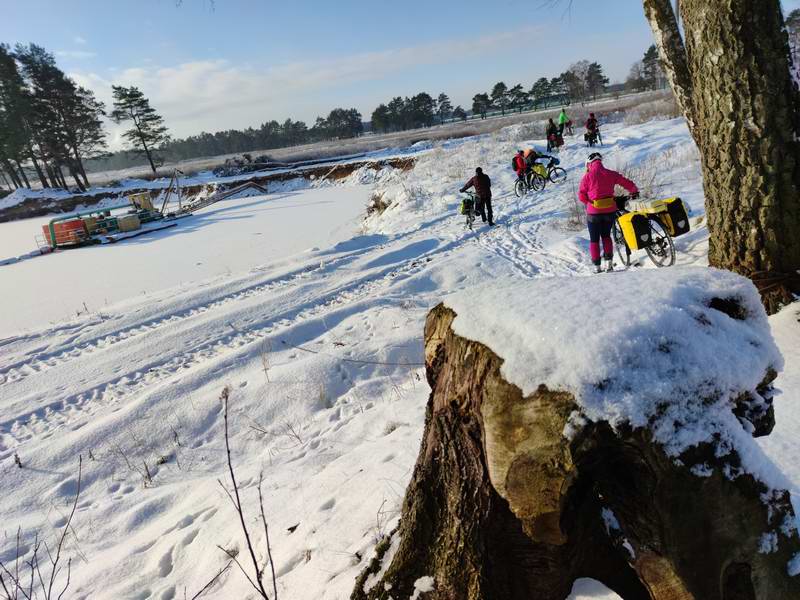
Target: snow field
[318,338]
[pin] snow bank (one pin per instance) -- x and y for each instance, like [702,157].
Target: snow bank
[643,348]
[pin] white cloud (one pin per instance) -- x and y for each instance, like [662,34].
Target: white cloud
[212,95]
[75,54]
[80,40]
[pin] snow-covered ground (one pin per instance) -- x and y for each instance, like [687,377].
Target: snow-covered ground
[315,327]
[225,240]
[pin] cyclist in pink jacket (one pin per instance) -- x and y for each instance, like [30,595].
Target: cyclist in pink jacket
[597,193]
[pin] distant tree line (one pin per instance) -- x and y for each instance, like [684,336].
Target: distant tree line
[340,123]
[52,127]
[584,80]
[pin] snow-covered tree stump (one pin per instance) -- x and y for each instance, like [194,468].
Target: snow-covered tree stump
[568,437]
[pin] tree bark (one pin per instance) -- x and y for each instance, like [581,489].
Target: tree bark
[22,175]
[74,172]
[79,166]
[9,168]
[744,112]
[454,524]
[36,166]
[62,183]
[502,506]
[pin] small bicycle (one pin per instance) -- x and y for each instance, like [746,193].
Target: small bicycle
[468,208]
[661,249]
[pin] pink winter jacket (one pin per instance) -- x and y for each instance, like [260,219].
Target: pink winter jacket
[598,183]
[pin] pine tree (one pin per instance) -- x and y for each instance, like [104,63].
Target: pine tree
[460,113]
[445,108]
[540,90]
[148,132]
[64,121]
[14,106]
[500,96]
[596,80]
[481,104]
[517,97]
[380,120]
[650,68]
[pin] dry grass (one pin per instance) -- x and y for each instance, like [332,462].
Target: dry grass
[376,204]
[662,108]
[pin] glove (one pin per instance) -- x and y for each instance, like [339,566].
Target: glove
[635,196]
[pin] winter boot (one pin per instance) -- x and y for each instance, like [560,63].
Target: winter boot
[609,265]
[598,268]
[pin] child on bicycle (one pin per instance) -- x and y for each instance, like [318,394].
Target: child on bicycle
[483,189]
[597,193]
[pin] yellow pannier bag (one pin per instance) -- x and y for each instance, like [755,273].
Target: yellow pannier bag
[604,202]
[539,169]
[675,218]
[636,229]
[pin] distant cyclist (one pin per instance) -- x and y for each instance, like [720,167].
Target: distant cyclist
[597,193]
[552,135]
[592,129]
[483,189]
[564,121]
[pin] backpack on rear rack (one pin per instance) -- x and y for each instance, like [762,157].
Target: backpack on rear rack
[467,205]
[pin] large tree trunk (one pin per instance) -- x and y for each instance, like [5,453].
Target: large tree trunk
[38,169]
[22,175]
[9,168]
[734,85]
[75,175]
[79,166]
[503,506]
[51,175]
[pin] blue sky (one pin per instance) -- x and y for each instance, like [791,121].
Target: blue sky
[243,62]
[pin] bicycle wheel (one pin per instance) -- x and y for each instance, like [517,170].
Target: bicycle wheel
[537,182]
[661,251]
[620,245]
[557,175]
[520,188]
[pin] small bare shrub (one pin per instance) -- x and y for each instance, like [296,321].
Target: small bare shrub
[376,204]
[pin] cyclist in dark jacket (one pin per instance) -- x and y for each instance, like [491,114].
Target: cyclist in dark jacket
[552,135]
[483,189]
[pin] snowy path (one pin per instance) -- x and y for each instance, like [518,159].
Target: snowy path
[322,352]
